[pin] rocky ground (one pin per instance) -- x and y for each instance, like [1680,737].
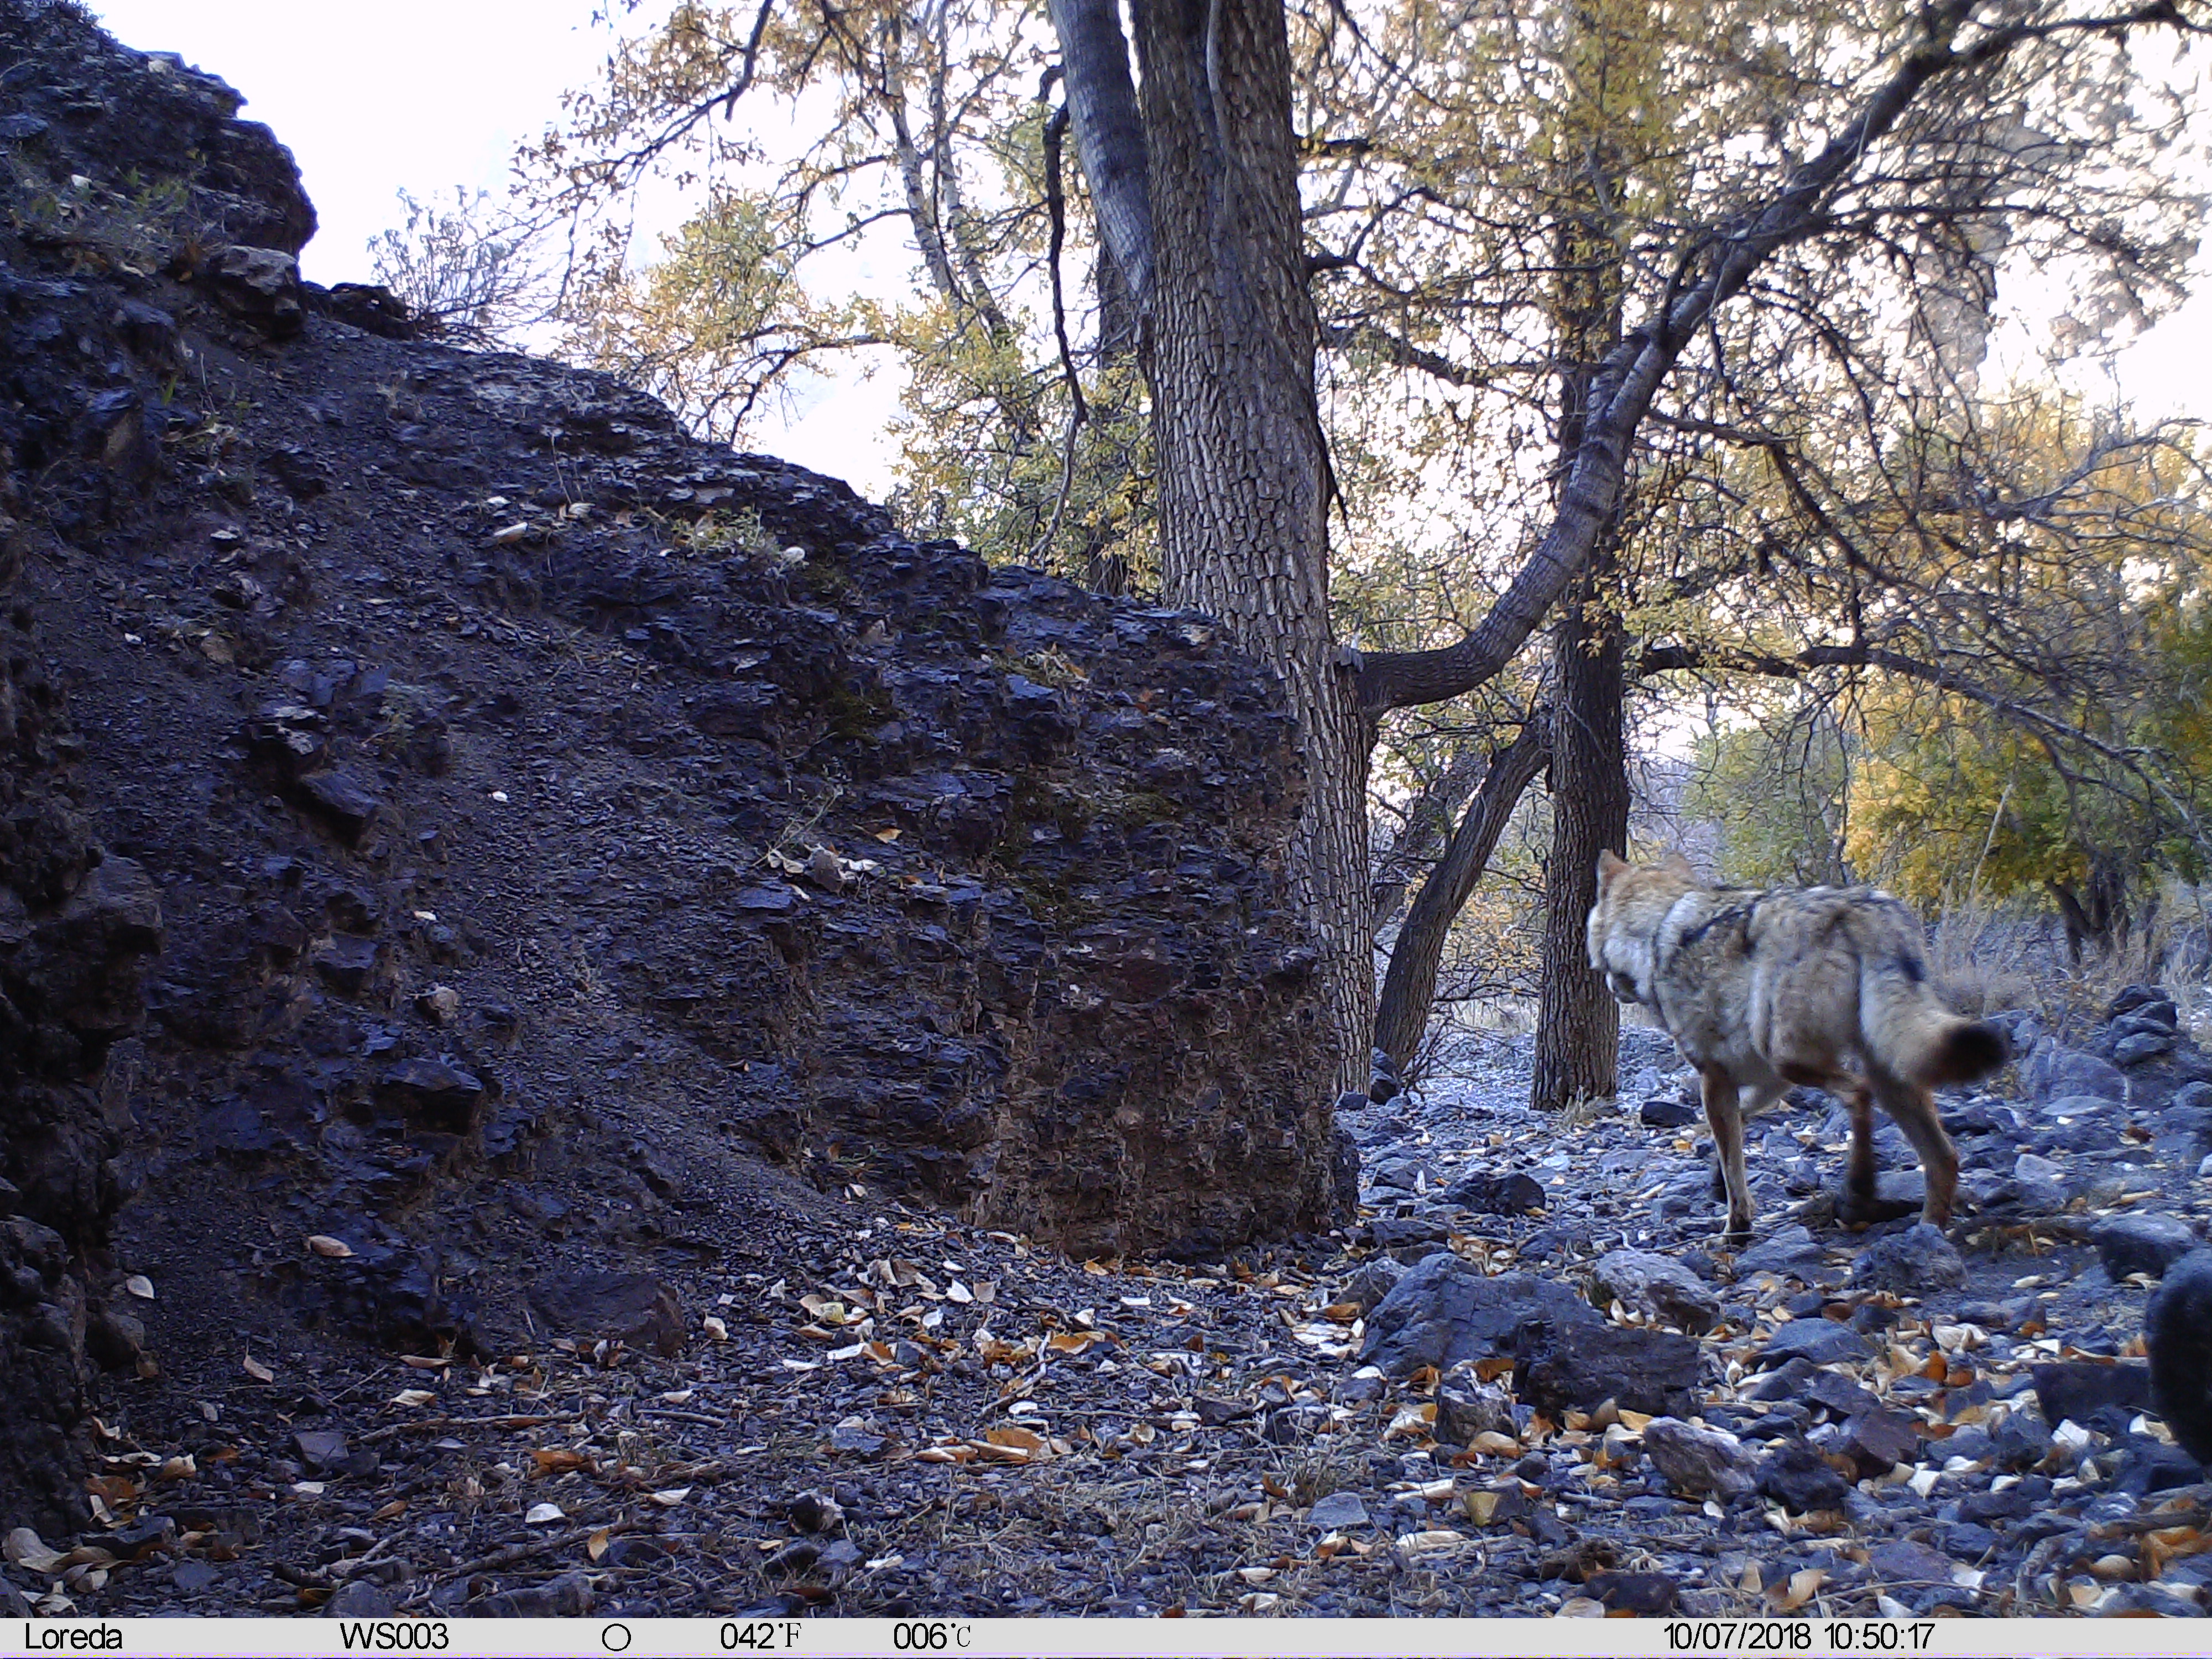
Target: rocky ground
[1528,1383]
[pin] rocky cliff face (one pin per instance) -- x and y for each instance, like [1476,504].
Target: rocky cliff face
[567,845]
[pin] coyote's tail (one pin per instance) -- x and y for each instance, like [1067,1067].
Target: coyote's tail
[1911,1034]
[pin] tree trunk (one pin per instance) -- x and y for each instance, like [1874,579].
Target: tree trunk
[1428,822]
[1243,472]
[1409,989]
[1110,139]
[1577,1021]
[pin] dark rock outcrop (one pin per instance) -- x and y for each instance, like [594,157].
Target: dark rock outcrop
[574,840]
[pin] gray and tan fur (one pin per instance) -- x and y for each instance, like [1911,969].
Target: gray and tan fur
[1825,986]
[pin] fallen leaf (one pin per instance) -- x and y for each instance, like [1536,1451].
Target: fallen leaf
[543,1514]
[257,1372]
[669,1497]
[1412,1420]
[416,1362]
[413,1397]
[1433,1542]
[596,1547]
[140,1286]
[1800,1590]
[323,1244]
[559,1460]
[715,1329]
[887,836]
[26,1549]
[1021,1439]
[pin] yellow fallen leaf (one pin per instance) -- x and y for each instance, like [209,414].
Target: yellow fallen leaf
[596,1547]
[413,1397]
[887,836]
[559,1460]
[1800,1590]
[1022,1439]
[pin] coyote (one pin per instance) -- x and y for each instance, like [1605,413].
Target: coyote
[1826,986]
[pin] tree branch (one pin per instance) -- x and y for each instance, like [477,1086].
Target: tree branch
[1628,377]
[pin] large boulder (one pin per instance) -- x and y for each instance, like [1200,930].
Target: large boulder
[1657,1286]
[1576,1365]
[2178,1336]
[2147,1244]
[2054,1070]
[1697,1461]
[1446,1310]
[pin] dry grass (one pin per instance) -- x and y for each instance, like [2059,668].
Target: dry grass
[1989,957]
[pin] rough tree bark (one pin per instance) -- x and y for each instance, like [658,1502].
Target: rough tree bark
[1409,989]
[1577,1021]
[1243,470]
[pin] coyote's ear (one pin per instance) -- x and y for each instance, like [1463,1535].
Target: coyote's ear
[1608,867]
[1679,865]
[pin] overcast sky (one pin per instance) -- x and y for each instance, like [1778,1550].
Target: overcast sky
[426,94]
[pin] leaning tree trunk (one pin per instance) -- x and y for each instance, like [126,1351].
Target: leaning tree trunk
[1577,1021]
[1242,467]
[1409,989]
